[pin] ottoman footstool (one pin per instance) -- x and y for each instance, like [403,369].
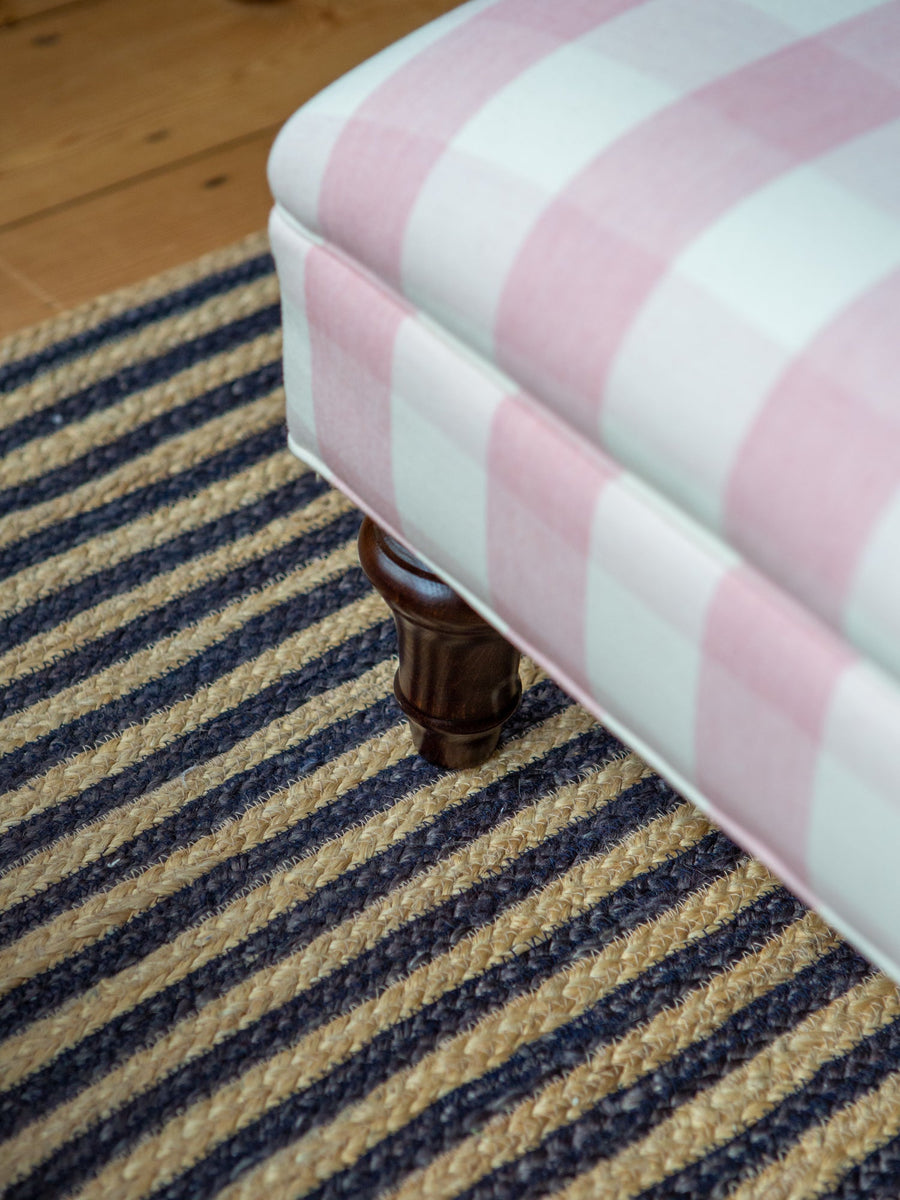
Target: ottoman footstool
[593,307]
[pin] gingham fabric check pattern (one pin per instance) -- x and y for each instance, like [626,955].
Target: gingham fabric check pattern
[595,304]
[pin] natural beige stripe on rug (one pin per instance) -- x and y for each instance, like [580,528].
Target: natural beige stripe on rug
[50,386]
[821,1157]
[237,1104]
[224,930]
[102,837]
[137,741]
[139,668]
[752,1090]
[118,610]
[513,1134]
[268,989]
[36,583]
[171,458]
[73,929]
[107,424]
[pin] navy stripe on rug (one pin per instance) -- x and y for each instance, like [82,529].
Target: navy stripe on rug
[187,609]
[213,737]
[74,531]
[89,1059]
[259,633]
[622,1118]
[453,1118]
[127,380]
[414,1037]
[875,1178]
[453,1013]
[102,459]
[127,944]
[138,569]
[199,817]
[839,1082]
[23,370]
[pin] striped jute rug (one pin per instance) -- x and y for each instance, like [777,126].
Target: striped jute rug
[252,947]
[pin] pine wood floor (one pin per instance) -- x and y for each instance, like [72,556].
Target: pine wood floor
[134,133]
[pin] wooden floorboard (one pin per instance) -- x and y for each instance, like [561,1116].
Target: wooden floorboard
[20,303]
[12,11]
[129,233]
[135,132]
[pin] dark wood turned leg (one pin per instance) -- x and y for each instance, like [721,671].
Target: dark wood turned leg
[458,679]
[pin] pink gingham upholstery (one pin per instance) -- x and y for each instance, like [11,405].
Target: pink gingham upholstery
[596,304]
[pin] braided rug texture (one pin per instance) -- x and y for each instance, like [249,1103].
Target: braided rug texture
[252,946]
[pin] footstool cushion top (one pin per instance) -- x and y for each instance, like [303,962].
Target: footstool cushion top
[673,223]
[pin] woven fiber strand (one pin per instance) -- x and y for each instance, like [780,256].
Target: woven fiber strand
[251,945]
